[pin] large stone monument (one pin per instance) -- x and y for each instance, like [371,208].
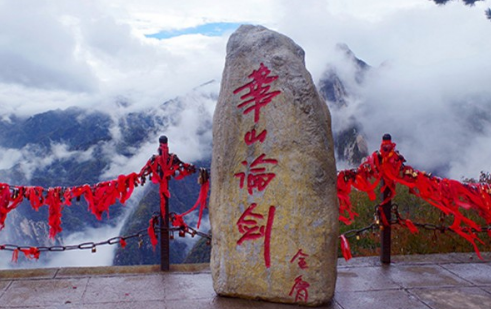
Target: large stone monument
[273,204]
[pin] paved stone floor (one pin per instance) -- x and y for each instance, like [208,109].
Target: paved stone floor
[428,281]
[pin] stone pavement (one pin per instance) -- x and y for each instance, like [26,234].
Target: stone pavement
[427,281]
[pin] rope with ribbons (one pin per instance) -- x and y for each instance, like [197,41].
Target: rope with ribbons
[99,197]
[450,196]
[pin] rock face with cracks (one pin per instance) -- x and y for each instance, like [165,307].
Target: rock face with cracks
[273,204]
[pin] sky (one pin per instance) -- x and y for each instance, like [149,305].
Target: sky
[432,63]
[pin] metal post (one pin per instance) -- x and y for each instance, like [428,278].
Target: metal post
[164,219]
[386,209]
[385,233]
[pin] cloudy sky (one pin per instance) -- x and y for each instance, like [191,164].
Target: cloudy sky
[433,63]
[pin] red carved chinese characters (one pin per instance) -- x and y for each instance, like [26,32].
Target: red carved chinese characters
[249,227]
[251,137]
[253,224]
[300,286]
[257,178]
[301,290]
[301,259]
[258,95]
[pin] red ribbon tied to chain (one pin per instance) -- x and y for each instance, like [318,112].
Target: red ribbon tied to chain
[345,248]
[101,196]
[31,253]
[151,231]
[445,194]
[8,201]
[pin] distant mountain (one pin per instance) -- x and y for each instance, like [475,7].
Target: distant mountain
[349,141]
[74,127]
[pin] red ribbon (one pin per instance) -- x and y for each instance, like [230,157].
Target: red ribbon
[345,249]
[178,221]
[101,196]
[15,255]
[53,200]
[161,170]
[151,232]
[31,253]
[203,195]
[8,201]
[35,196]
[410,225]
[445,194]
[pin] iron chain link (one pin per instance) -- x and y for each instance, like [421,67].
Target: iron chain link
[111,241]
[395,210]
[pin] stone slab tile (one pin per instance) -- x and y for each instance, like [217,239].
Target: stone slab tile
[151,304]
[44,293]
[219,302]
[454,298]
[124,288]
[109,305]
[487,289]
[3,287]
[188,286]
[472,257]
[426,259]
[478,274]
[72,272]
[359,262]
[36,273]
[81,272]
[379,299]
[411,276]
[364,279]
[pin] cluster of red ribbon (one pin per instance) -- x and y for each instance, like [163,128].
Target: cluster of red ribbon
[445,194]
[31,253]
[101,196]
[177,220]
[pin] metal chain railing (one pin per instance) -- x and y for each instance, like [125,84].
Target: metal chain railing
[183,230]
[434,227]
[377,226]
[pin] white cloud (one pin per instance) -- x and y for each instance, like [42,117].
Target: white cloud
[86,258]
[38,51]
[9,157]
[188,132]
[30,158]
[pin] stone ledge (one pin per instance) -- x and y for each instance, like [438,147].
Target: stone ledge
[72,272]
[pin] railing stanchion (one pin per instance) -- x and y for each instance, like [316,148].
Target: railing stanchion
[164,218]
[386,211]
[385,233]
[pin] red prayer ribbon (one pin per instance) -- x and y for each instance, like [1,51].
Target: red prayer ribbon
[345,248]
[445,194]
[101,196]
[151,232]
